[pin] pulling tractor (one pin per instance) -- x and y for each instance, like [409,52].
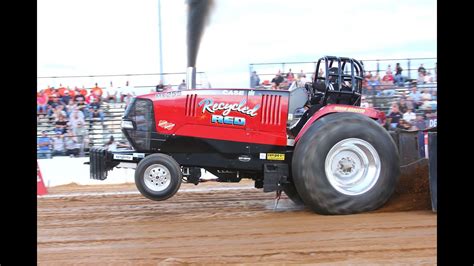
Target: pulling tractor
[335,158]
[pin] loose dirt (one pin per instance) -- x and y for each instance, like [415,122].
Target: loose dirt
[207,224]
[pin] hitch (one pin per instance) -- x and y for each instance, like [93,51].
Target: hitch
[274,176]
[277,198]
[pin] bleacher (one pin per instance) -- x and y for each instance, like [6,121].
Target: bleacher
[383,103]
[97,133]
[100,134]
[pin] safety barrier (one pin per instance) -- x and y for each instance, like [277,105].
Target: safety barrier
[433,168]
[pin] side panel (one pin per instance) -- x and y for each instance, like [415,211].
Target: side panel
[224,115]
[338,108]
[223,154]
[204,114]
[269,126]
[184,127]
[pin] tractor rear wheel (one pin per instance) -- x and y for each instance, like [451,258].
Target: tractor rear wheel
[345,163]
[158,176]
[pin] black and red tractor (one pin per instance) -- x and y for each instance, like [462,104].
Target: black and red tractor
[336,158]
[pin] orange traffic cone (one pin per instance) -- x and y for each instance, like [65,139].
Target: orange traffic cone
[41,189]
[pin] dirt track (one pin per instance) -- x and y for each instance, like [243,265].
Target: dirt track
[234,226]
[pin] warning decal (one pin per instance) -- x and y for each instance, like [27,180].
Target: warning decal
[276,156]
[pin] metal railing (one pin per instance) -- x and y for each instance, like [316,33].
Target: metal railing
[409,66]
[137,80]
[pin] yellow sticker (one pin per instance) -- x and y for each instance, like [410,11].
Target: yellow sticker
[276,156]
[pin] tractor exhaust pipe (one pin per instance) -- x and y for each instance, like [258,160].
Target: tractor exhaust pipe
[191,78]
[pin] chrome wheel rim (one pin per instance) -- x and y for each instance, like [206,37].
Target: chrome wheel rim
[352,166]
[157,177]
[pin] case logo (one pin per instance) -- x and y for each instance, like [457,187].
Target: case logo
[233,92]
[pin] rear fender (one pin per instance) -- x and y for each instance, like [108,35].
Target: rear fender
[339,108]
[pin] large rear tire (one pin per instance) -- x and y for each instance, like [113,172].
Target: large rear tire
[158,176]
[345,163]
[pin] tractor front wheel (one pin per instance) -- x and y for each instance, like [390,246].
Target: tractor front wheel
[158,177]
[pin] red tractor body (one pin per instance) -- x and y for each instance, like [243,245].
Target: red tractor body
[238,115]
[335,152]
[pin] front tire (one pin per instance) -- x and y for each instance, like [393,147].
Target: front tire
[345,163]
[158,177]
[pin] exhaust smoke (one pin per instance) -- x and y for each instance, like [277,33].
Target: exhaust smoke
[198,16]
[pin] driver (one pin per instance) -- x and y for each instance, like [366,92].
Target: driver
[315,102]
[346,84]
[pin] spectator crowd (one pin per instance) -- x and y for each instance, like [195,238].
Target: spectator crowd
[372,84]
[412,110]
[69,109]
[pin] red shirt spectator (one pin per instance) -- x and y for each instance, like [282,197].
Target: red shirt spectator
[72,93]
[54,93]
[83,91]
[61,91]
[48,91]
[388,77]
[41,98]
[290,76]
[97,91]
[90,98]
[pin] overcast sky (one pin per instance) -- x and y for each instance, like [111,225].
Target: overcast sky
[90,37]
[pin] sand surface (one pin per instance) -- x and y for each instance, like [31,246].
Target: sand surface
[212,224]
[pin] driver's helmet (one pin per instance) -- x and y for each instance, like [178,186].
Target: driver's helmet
[333,71]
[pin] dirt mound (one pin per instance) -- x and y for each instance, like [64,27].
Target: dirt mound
[413,190]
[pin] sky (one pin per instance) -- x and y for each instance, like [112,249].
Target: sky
[97,37]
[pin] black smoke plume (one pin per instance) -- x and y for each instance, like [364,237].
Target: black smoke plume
[198,16]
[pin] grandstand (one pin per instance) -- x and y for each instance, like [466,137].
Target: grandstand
[97,133]
[386,94]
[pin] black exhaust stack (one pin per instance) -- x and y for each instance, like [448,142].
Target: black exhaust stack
[198,16]
[191,78]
